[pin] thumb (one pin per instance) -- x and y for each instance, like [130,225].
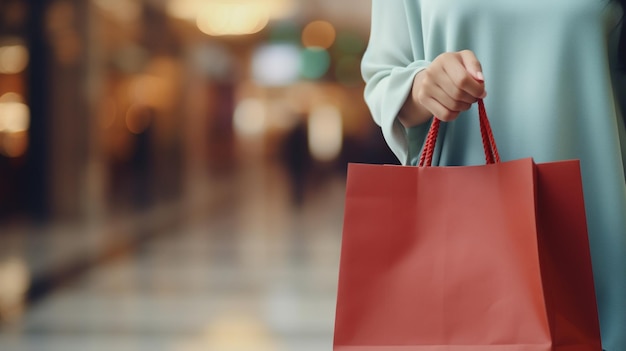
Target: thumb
[472,65]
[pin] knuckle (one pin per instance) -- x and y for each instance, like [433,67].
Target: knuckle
[457,95]
[442,56]
[464,81]
[466,86]
[442,59]
[467,53]
[427,86]
[457,106]
[427,77]
[421,97]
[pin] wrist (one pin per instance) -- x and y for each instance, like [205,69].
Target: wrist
[412,112]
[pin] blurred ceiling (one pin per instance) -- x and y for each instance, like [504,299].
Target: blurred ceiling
[354,14]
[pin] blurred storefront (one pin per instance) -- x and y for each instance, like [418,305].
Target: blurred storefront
[114,105]
[129,108]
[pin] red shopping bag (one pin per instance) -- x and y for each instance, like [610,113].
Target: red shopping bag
[477,258]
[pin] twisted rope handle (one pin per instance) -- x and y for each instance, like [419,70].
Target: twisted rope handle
[489,142]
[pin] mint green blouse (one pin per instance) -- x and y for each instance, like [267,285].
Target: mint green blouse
[553,94]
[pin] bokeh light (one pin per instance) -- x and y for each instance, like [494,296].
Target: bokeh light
[14,114]
[189,9]
[232,18]
[233,331]
[15,278]
[250,117]
[138,118]
[325,132]
[13,59]
[184,9]
[14,144]
[276,64]
[155,89]
[319,34]
[315,62]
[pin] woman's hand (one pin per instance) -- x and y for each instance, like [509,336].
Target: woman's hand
[450,85]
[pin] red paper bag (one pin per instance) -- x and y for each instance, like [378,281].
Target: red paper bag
[477,258]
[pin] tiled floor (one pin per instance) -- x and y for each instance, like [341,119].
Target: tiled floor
[249,273]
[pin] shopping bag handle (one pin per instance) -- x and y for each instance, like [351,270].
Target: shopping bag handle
[489,143]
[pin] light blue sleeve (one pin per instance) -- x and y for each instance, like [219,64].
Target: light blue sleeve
[618,76]
[394,56]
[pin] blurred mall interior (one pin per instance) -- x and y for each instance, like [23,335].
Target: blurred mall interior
[172,172]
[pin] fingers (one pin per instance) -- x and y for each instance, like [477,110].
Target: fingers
[472,65]
[442,98]
[458,84]
[468,75]
[451,84]
[439,110]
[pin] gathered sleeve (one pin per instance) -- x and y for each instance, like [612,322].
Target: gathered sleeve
[395,54]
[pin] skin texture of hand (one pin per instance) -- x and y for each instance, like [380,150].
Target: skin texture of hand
[449,86]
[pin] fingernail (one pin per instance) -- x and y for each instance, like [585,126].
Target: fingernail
[479,75]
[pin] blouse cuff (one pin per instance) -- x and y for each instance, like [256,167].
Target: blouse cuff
[396,135]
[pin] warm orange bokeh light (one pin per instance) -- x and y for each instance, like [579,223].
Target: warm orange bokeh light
[13,59]
[319,34]
[138,118]
[219,18]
